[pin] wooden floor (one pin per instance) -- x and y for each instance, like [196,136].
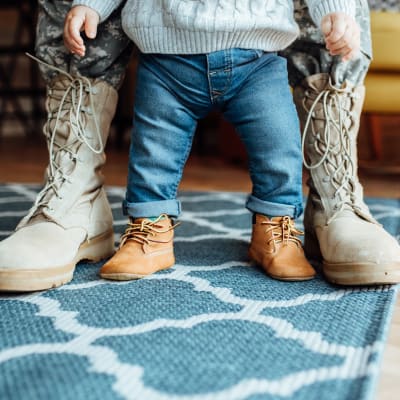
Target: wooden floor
[24,161]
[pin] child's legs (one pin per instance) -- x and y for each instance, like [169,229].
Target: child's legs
[106,56]
[171,95]
[264,115]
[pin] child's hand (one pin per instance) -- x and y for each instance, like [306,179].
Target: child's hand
[342,35]
[79,18]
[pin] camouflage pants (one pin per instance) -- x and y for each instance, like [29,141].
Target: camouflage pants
[108,55]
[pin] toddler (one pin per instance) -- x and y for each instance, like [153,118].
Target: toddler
[199,56]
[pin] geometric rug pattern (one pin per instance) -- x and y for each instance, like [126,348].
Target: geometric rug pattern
[213,327]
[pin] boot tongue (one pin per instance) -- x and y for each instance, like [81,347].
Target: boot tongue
[62,136]
[161,221]
[65,159]
[330,140]
[277,219]
[63,163]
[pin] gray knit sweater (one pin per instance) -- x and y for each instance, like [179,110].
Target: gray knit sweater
[203,26]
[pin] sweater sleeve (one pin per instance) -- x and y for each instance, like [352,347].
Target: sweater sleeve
[103,8]
[319,8]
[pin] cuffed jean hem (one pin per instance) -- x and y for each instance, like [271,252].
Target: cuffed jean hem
[152,208]
[258,206]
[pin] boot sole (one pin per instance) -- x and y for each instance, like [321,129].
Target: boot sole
[362,273]
[29,280]
[292,279]
[124,276]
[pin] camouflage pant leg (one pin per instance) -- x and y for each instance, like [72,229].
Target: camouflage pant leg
[384,5]
[106,56]
[308,55]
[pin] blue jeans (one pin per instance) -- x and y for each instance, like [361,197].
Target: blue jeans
[251,90]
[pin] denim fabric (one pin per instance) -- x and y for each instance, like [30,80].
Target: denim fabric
[251,89]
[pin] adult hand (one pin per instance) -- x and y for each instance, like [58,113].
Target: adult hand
[79,18]
[342,35]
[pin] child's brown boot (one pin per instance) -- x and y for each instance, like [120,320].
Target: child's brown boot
[146,247]
[276,247]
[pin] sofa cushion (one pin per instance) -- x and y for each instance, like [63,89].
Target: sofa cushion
[385,30]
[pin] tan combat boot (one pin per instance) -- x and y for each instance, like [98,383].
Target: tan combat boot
[146,247]
[276,247]
[71,219]
[339,229]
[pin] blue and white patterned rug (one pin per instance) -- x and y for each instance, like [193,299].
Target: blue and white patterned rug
[211,328]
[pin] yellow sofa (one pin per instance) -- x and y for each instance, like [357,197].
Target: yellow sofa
[383,78]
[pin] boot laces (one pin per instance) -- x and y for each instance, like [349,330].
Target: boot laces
[282,231]
[70,108]
[335,156]
[144,231]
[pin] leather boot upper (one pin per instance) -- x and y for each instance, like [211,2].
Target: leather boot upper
[146,247]
[276,247]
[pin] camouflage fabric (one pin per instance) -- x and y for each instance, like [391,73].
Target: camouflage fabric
[384,5]
[106,56]
[308,56]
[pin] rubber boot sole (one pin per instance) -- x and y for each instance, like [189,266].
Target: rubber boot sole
[125,276]
[30,280]
[362,273]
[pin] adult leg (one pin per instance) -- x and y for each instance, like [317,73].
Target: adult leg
[329,95]
[261,108]
[71,219]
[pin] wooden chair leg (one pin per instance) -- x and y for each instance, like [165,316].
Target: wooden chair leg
[375,135]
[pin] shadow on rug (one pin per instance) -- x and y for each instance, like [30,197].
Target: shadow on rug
[211,328]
